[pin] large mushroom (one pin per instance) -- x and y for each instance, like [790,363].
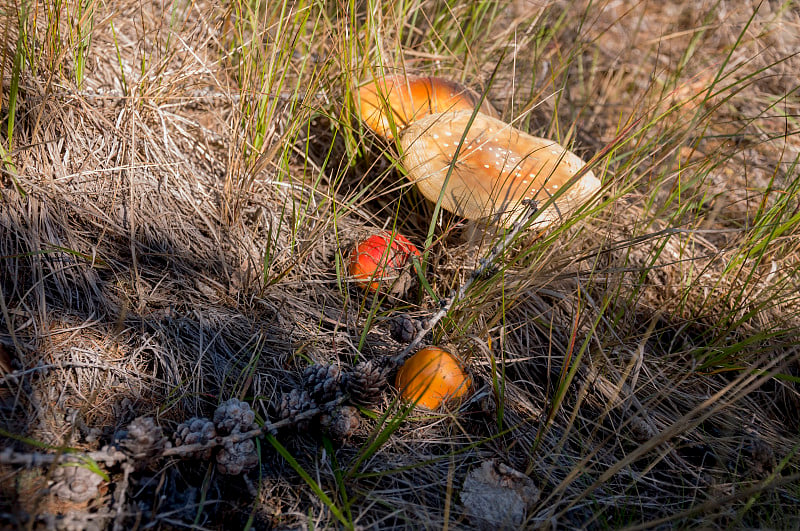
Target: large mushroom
[500,173]
[401,100]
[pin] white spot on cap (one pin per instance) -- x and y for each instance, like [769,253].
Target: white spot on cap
[486,166]
[448,133]
[435,136]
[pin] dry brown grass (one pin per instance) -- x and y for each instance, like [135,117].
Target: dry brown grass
[163,248]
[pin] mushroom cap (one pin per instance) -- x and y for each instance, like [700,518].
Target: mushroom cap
[499,170]
[431,377]
[405,99]
[373,260]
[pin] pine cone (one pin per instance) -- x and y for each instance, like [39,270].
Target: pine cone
[759,456]
[76,483]
[196,430]
[488,405]
[341,423]
[366,381]
[293,403]
[403,328]
[75,521]
[236,457]
[144,439]
[234,416]
[642,429]
[323,382]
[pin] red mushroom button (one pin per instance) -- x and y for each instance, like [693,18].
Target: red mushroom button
[381,258]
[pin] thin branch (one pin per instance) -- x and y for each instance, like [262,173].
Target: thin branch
[485,265]
[110,455]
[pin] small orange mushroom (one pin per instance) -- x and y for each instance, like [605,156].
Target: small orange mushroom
[402,100]
[499,172]
[379,258]
[432,376]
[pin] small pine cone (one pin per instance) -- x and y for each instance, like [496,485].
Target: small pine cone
[293,403]
[403,328]
[323,382]
[236,457]
[196,430]
[234,416]
[760,457]
[76,483]
[75,521]
[144,438]
[488,405]
[642,429]
[341,423]
[366,381]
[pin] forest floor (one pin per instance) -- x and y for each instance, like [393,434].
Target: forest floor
[181,184]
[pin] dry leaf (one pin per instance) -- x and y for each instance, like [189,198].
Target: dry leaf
[496,496]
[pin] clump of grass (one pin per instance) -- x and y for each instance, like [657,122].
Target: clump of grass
[179,189]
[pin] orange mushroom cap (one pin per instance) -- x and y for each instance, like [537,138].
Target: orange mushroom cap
[431,377]
[403,100]
[498,172]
